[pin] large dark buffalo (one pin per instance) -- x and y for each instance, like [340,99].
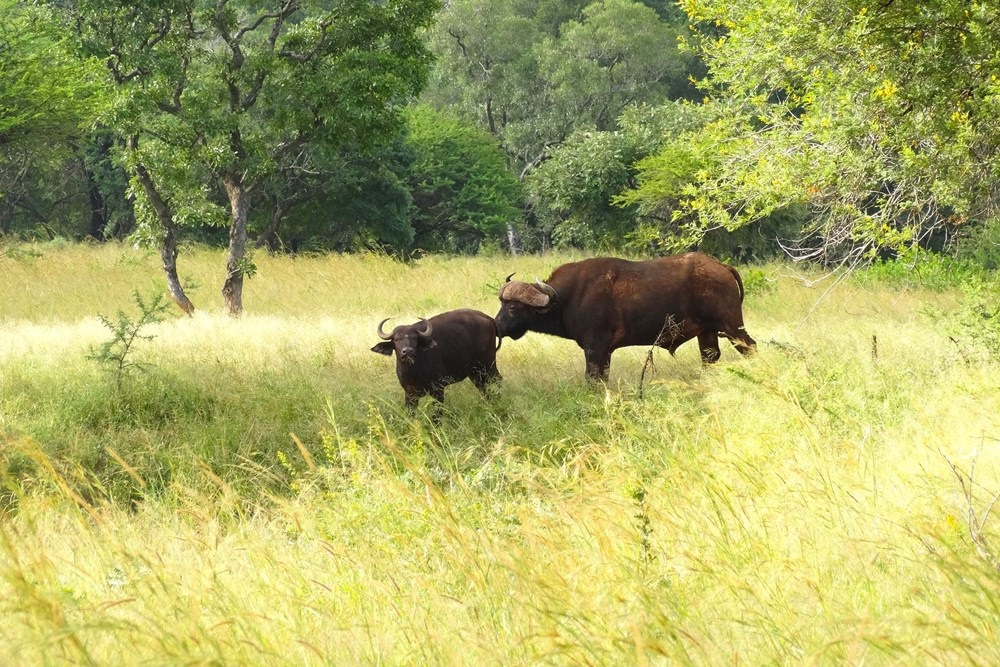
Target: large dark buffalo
[445,349]
[606,303]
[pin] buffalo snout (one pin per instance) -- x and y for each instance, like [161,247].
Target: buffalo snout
[510,325]
[408,355]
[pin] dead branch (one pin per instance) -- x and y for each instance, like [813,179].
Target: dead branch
[976,524]
[668,331]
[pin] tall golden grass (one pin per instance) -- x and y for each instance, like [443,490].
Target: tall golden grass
[258,496]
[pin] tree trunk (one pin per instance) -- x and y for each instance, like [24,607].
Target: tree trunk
[168,254]
[98,207]
[239,202]
[269,237]
[168,247]
[98,228]
[513,239]
[98,212]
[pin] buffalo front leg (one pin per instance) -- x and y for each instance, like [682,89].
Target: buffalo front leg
[436,409]
[708,343]
[598,365]
[412,399]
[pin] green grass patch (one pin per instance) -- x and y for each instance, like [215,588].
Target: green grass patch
[252,491]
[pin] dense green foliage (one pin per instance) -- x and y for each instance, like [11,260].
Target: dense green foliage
[533,72]
[574,193]
[49,96]
[842,132]
[284,120]
[876,119]
[463,193]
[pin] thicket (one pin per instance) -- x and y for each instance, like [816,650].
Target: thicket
[615,124]
[612,126]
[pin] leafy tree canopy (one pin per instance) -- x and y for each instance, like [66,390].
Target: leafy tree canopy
[533,71]
[48,92]
[575,192]
[879,116]
[48,98]
[463,193]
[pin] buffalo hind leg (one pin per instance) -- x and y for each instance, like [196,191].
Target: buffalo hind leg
[486,376]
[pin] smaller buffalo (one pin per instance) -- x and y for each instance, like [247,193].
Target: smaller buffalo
[447,348]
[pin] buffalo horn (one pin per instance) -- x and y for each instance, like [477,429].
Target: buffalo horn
[545,288]
[381,334]
[428,330]
[504,286]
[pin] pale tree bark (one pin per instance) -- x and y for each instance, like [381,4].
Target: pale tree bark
[513,239]
[239,202]
[168,245]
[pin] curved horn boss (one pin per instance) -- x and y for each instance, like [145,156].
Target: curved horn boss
[546,289]
[428,330]
[504,286]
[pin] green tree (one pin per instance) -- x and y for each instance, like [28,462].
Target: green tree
[217,99]
[345,200]
[878,117]
[463,192]
[575,193]
[48,97]
[534,71]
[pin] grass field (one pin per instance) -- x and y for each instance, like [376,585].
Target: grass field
[254,493]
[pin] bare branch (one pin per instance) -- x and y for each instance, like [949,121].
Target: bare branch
[669,331]
[976,525]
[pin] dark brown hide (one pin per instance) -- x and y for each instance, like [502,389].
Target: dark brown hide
[442,350]
[606,303]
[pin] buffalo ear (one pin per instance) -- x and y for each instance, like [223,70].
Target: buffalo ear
[385,347]
[428,344]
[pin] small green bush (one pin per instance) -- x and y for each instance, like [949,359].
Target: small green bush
[975,325]
[116,354]
[922,269]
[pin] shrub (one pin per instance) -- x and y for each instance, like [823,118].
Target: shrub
[923,269]
[116,354]
[975,325]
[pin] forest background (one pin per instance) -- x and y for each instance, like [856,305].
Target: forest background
[837,132]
